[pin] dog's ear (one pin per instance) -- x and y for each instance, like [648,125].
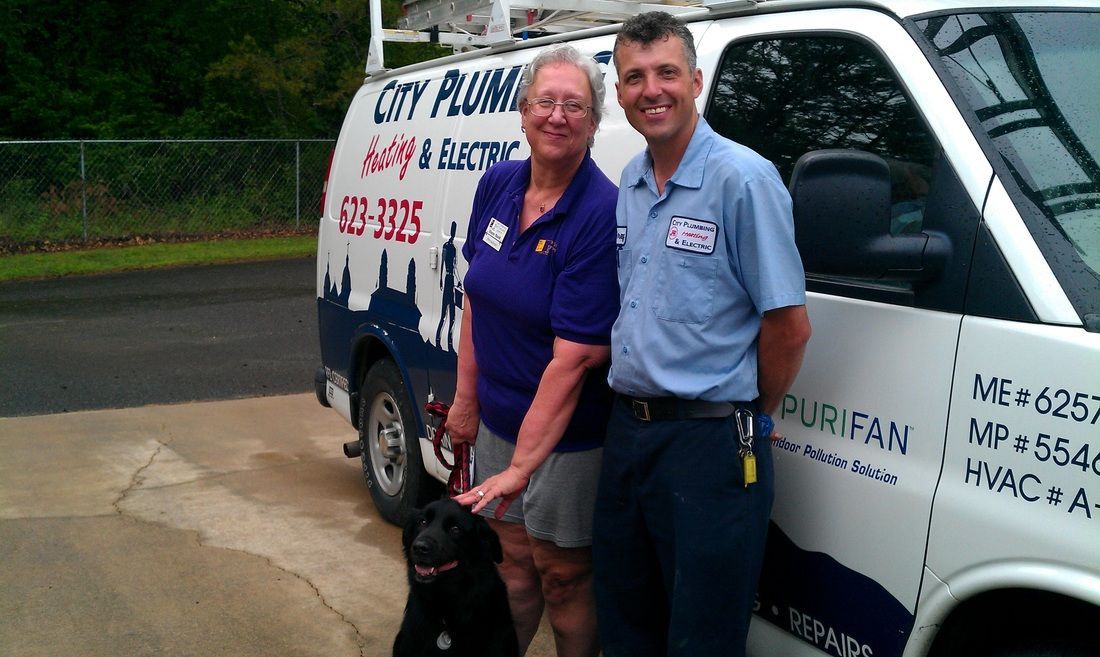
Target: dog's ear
[490,542]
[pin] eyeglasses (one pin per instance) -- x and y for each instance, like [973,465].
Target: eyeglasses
[545,107]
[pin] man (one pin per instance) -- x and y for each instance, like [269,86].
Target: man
[712,327]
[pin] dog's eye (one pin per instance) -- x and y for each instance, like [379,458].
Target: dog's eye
[423,522]
[455,531]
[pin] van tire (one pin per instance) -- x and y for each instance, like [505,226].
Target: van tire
[1020,623]
[392,465]
[1044,651]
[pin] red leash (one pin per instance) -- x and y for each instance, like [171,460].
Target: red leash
[460,480]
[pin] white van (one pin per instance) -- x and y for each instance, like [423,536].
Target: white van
[938,486]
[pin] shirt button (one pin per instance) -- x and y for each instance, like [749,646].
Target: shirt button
[626,349]
[633,304]
[645,259]
[652,215]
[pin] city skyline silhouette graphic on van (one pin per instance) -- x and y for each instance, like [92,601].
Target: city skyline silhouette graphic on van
[391,315]
[396,307]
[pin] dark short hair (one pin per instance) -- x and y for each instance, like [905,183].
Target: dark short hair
[653,26]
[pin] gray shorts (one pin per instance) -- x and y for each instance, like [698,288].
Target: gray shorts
[560,498]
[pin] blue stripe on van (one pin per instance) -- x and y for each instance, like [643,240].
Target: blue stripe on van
[393,319]
[838,610]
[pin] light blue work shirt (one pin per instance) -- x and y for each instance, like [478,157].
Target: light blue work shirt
[698,267]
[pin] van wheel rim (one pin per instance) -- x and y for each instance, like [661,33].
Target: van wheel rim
[386,441]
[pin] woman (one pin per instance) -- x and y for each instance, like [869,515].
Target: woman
[542,295]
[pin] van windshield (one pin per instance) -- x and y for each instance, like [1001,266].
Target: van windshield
[1032,82]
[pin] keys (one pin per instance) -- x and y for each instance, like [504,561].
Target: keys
[748,462]
[745,438]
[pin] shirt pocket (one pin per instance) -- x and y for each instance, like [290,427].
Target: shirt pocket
[685,289]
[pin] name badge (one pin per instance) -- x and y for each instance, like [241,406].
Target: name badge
[694,235]
[494,234]
[620,236]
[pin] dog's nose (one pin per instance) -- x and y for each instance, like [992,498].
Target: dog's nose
[422,547]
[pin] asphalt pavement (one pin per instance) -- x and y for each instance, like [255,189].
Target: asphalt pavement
[159,336]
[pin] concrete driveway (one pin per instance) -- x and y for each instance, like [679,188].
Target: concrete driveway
[216,528]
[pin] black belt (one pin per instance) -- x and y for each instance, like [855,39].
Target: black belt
[653,409]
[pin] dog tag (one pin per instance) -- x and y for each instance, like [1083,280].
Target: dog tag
[443,641]
[748,461]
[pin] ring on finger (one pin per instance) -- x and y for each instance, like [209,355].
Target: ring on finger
[480,493]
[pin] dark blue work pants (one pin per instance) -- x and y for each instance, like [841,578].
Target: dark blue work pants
[678,538]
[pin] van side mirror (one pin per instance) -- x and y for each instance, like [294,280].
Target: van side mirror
[842,220]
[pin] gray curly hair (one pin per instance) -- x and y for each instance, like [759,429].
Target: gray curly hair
[563,53]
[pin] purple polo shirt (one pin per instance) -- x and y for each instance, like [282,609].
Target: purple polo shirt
[556,279]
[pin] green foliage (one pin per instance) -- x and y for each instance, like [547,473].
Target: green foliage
[157,188]
[65,263]
[99,69]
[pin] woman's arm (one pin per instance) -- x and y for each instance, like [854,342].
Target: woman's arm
[465,413]
[552,408]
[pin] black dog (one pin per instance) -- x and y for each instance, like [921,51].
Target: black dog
[458,606]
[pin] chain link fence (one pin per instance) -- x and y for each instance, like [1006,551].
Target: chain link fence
[64,192]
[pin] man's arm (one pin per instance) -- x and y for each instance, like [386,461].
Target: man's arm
[784,333]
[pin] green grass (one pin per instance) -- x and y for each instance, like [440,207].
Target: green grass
[150,256]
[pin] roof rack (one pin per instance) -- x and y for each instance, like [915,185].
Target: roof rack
[468,24]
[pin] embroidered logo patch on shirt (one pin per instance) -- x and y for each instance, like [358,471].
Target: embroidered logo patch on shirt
[694,235]
[546,247]
[494,234]
[620,236]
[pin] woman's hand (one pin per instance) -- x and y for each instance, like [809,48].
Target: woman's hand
[506,486]
[462,420]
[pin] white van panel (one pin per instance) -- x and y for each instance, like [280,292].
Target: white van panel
[1022,461]
[899,432]
[338,400]
[763,637]
[1042,289]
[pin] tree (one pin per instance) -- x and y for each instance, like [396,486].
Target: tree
[249,68]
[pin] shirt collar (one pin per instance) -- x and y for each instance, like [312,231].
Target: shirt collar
[577,186]
[690,172]
[573,192]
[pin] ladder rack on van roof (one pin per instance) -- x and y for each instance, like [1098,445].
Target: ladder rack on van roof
[467,24]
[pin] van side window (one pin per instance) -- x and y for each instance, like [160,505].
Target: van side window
[783,97]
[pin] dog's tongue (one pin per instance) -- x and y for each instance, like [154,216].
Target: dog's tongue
[429,571]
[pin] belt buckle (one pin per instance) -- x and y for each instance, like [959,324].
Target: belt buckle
[641,409]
